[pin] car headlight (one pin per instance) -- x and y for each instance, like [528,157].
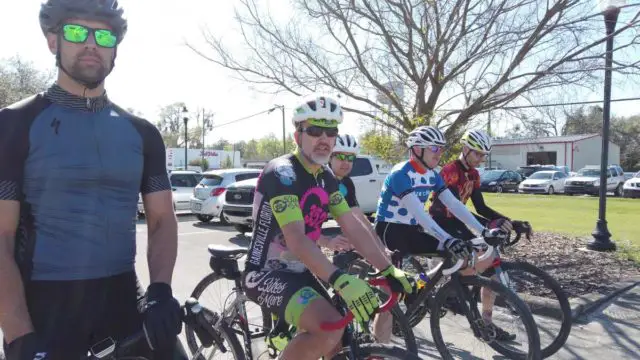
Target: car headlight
[493,183]
[596,182]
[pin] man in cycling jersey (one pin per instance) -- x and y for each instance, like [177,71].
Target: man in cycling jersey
[72,164]
[402,221]
[463,180]
[294,194]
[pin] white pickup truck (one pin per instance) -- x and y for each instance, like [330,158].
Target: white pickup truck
[368,175]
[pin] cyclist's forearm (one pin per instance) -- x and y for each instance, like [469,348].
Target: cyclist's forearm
[363,239]
[14,316]
[430,226]
[460,211]
[482,208]
[360,215]
[162,249]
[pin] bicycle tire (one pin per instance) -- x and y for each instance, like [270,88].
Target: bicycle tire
[367,351]
[563,300]
[190,334]
[400,322]
[534,352]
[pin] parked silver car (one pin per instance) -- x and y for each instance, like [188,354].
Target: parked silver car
[206,201]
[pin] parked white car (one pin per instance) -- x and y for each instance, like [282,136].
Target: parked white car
[206,197]
[543,182]
[631,187]
[182,184]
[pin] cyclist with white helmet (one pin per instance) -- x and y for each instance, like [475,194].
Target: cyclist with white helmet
[293,197]
[72,164]
[463,180]
[402,221]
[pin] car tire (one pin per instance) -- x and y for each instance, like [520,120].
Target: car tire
[204,218]
[551,190]
[499,189]
[242,229]
[223,219]
[618,191]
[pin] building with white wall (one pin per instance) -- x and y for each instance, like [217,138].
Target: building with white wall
[574,151]
[215,158]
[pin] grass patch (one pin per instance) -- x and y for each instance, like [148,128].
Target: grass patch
[574,215]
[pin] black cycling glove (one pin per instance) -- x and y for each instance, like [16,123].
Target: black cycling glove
[522,227]
[459,249]
[26,347]
[162,317]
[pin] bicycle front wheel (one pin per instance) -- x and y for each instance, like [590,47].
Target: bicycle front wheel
[372,351]
[485,333]
[520,276]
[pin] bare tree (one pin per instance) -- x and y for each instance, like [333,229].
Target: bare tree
[467,56]
[20,79]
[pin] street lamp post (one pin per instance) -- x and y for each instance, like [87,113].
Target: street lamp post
[186,135]
[601,236]
[284,140]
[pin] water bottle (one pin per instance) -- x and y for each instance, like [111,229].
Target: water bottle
[422,281]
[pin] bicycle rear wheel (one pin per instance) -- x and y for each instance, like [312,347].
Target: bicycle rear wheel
[368,351]
[231,333]
[530,351]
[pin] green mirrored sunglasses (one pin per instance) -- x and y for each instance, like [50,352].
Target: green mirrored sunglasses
[78,34]
[345,157]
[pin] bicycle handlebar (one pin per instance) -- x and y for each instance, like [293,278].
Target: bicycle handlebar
[393,299]
[477,244]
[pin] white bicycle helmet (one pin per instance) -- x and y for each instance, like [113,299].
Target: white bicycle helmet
[323,110]
[477,140]
[347,144]
[424,136]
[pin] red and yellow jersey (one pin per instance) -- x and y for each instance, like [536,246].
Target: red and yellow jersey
[456,177]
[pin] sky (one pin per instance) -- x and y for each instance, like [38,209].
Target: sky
[154,68]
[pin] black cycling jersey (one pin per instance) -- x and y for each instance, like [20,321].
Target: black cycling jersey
[288,192]
[348,190]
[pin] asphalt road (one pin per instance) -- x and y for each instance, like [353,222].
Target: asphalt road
[587,341]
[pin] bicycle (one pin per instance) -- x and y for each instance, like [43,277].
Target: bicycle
[193,315]
[458,289]
[502,269]
[233,319]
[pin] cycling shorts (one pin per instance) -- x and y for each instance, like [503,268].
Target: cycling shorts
[71,316]
[408,239]
[285,293]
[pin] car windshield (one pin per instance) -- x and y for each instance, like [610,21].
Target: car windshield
[211,180]
[589,172]
[491,175]
[540,175]
[637,174]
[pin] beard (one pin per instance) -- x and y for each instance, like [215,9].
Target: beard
[94,74]
[320,159]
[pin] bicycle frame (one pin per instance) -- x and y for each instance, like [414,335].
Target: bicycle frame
[462,293]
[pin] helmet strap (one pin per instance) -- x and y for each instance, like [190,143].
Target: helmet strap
[419,157]
[463,157]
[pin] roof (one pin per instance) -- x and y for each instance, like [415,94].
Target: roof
[230,171]
[543,140]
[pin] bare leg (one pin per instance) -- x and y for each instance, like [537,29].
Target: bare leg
[312,342]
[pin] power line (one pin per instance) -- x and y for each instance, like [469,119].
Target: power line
[549,105]
[241,119]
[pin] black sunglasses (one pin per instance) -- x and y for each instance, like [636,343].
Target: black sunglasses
[316,131]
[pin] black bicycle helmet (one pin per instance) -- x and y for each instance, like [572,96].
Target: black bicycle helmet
[54,12]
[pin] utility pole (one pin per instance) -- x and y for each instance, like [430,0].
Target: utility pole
[203,129]
[284,139]
[489,133]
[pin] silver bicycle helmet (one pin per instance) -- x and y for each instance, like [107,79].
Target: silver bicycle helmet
[424,136]
[347,144]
